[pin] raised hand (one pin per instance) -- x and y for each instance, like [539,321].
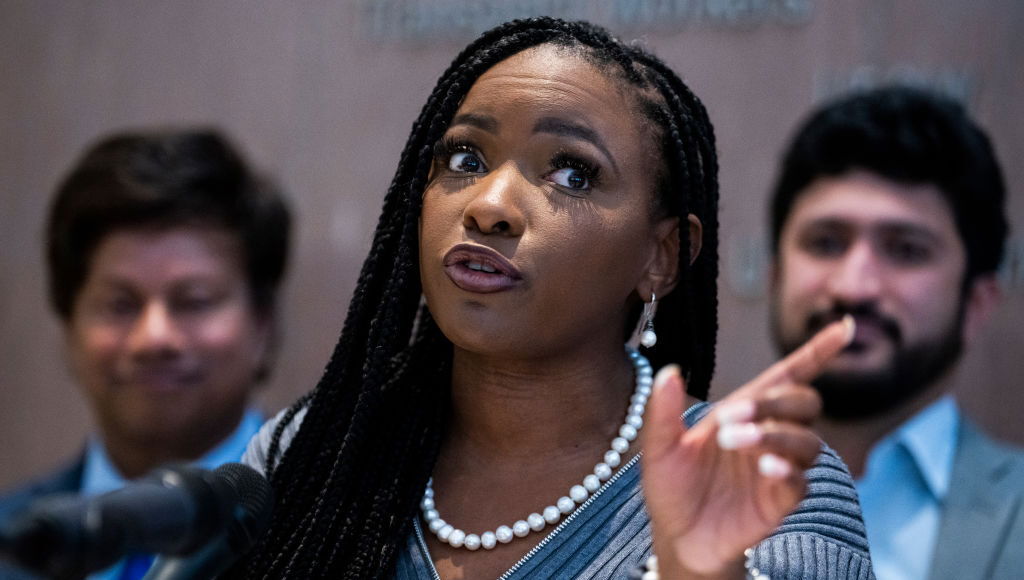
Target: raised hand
[724,485]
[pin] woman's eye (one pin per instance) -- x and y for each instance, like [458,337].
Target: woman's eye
[570,177]
[572,172]
[465,162]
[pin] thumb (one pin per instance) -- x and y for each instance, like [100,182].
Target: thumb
[664,413]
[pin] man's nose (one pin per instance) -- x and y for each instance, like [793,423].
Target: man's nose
[155,330]
[496,206]
[858,275]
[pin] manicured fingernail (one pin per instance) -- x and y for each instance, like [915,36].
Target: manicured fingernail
[738,435]
[851,327]
[735,412]
[664,375]
[773,466]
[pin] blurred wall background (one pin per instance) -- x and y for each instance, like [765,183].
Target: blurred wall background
[322,93]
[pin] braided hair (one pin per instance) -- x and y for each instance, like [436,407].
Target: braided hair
[350,481]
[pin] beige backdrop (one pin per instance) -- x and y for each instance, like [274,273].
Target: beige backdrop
[322,94]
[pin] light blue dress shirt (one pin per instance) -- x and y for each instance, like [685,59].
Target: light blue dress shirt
[100,476]
[903,488]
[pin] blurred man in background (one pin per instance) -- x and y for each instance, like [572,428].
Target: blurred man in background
[165,255]
[890,207]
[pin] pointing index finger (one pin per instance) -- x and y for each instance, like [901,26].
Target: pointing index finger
[807,362]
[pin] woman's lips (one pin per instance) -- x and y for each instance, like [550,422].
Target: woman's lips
[480,269]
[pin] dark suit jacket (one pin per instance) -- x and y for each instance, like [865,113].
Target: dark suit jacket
[68,479]
[981,535]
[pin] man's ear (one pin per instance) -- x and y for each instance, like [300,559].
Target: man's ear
[773,273]
[982,297]
[266,342]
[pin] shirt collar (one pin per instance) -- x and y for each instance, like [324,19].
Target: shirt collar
[100,476]
[930,436]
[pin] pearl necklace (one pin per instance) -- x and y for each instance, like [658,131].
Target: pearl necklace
[578,494]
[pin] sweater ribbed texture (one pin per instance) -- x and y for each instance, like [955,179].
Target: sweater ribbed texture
[823,538]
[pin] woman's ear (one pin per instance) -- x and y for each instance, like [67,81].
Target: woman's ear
[696,231]
[662,270]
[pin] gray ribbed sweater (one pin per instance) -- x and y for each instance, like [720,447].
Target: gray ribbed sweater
[609,536]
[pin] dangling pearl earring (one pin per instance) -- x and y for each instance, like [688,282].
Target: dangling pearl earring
[648,338]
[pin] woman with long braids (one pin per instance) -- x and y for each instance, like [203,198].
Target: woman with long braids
[480,416]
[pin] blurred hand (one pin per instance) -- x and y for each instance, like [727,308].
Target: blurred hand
[724,485]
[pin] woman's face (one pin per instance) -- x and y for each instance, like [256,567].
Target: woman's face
[537,227]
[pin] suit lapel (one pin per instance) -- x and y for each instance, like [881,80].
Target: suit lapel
[977,511]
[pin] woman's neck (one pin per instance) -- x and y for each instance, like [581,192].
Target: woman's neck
[527,409]
[522,433]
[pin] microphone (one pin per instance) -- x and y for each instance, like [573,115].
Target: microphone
[173,510]
[252,517]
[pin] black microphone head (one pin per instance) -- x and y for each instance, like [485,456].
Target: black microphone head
[212,505]
[254,506]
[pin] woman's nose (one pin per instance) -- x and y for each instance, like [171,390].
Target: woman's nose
[496,205]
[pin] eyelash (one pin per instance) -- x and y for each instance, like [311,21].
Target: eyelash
[448,146]
[566,160]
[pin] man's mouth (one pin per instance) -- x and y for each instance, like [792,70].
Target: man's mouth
[162,379]
[872,326]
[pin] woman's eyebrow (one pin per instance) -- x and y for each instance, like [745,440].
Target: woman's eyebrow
[482,122]
[564,128]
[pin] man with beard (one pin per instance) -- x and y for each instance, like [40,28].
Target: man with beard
[890,207]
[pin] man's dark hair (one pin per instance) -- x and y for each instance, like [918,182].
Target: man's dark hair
[350,481]
[159,179]
[913,137]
